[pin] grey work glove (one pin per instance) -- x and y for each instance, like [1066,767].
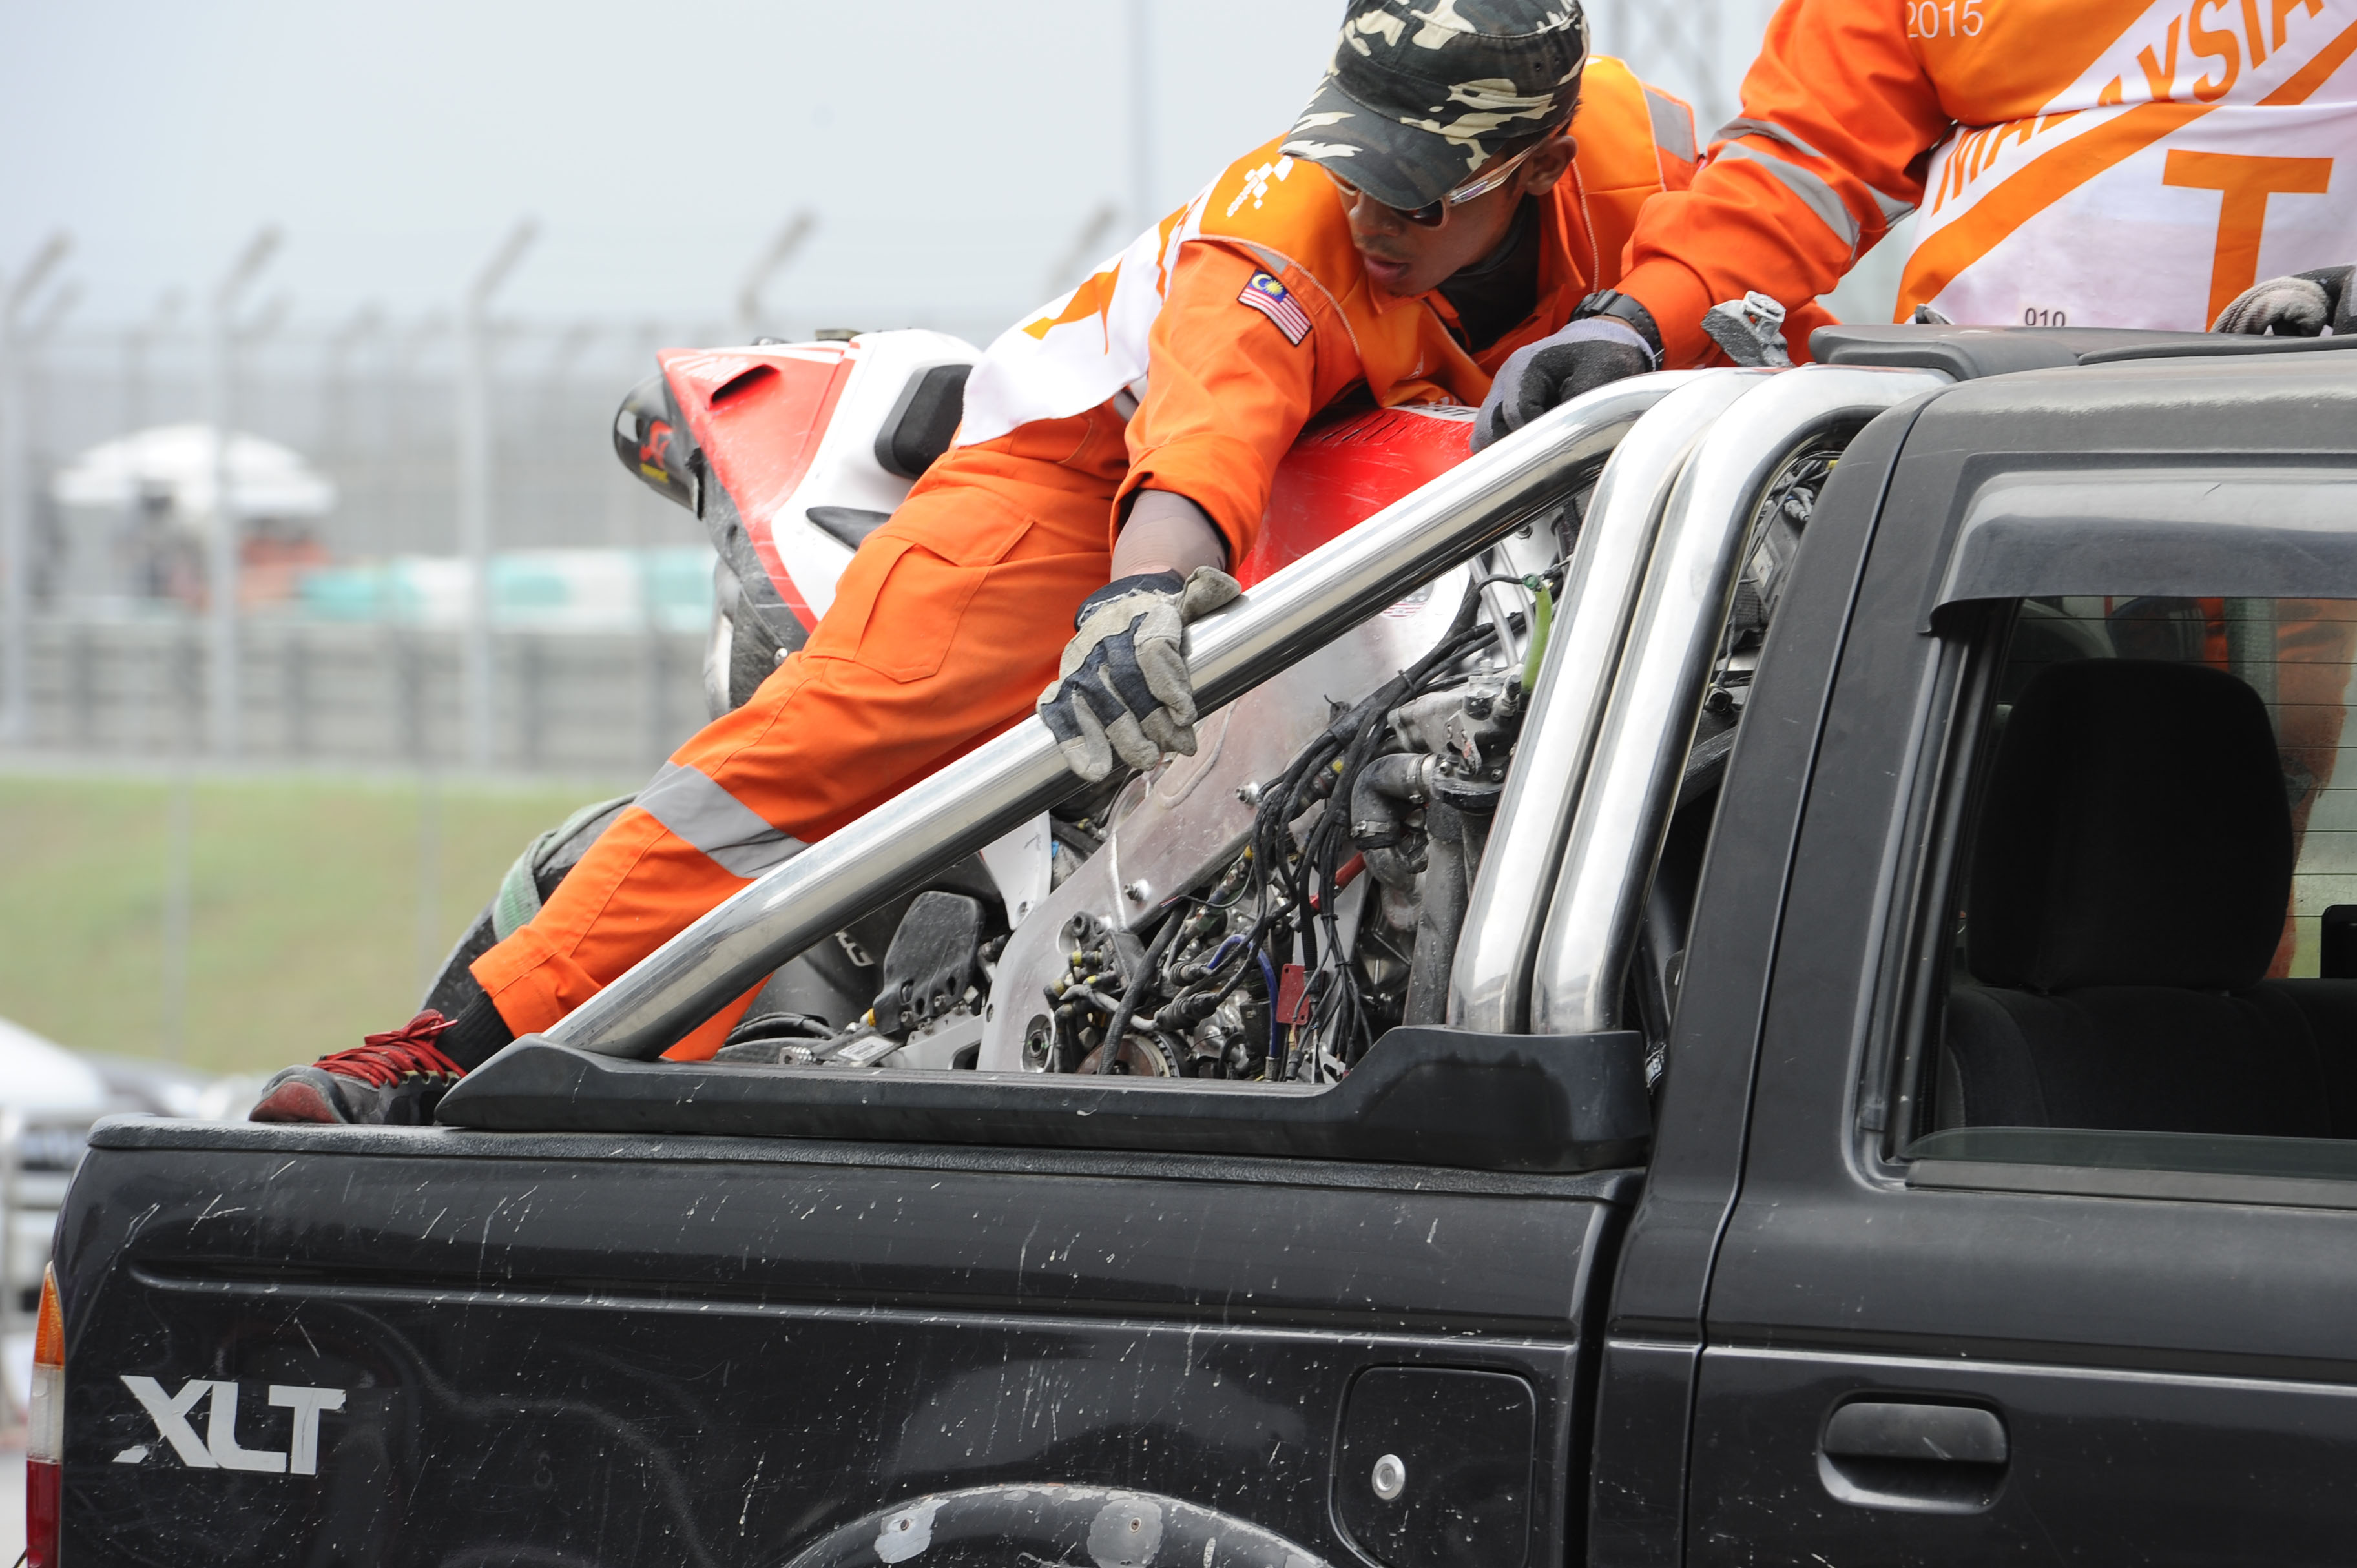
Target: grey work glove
[1538,376]
[2300,305]
[1123,688]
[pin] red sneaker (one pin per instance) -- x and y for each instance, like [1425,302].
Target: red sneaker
[394,1078]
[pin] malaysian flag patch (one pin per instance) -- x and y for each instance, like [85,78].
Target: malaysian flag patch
[1268,296]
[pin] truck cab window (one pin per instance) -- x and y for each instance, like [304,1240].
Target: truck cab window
[2160,828]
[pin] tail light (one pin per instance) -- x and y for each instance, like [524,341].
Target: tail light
[45,1443]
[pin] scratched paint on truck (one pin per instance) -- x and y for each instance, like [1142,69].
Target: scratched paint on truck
[604,1360]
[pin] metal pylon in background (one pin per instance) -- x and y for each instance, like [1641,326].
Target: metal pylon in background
[16,494]
[336,382]
[138,346]
[223,701]
[474,457]
[783,246]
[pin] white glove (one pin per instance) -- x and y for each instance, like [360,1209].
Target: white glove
[1122,688]
[2300,305]
[1538,376]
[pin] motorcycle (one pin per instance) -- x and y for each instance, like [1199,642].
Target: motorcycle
[1262,910]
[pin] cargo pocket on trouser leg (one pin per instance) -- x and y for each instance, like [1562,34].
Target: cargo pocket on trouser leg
[919,601]
[904,593]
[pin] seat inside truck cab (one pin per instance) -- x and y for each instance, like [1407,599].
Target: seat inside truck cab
[2125,904]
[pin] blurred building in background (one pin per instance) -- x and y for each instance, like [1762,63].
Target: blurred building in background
[133,515]
[352,589]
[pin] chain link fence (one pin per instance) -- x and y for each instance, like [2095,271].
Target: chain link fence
[339,658]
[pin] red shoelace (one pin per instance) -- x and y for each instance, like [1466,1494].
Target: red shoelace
[385,1059]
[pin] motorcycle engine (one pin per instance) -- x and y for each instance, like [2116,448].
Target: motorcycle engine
[1337,920]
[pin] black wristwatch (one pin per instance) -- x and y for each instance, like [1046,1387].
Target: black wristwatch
[1621,308]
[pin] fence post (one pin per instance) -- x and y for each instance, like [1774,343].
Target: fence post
[82,682]
[654,664]
[408,672]
[295,677]
[223,538]
[429,873]
[179,876]
[474,422]
[140,653]
[533,662]
[657,696]
[15,498]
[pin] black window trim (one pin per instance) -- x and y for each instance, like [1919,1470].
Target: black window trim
[1950,764]
[2264,526]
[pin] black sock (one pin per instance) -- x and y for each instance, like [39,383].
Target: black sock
[476,1035]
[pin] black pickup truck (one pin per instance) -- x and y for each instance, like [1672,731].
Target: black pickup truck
[1892,1100]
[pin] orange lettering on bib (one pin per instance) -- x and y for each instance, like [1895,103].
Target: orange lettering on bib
[2243,184]
[2213,43]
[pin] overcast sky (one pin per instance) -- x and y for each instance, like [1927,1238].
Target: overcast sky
[951,148]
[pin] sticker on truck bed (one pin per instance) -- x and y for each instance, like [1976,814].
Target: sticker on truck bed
[218,1449]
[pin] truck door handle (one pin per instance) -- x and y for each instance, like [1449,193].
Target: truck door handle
[1957,1433]
[1918,1458]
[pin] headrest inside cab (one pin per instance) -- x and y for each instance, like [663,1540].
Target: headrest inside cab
[2135,831]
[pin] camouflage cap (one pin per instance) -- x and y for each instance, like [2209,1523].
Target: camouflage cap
[1423,93]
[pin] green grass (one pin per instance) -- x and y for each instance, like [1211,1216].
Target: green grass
[305,928]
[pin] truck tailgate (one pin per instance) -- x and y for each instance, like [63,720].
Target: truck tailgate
[390,1345]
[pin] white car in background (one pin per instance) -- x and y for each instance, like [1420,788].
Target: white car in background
[49,1098]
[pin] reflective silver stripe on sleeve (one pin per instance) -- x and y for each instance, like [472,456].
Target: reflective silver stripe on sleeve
[1819,196]
[1673,130]
[735,836]
[1742,126]
[1892,210]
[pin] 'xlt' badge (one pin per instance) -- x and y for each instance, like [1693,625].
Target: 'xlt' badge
[218,1448]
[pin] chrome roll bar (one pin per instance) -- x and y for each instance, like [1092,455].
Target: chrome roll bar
[1624,810]
[1015,776]
[1488,988]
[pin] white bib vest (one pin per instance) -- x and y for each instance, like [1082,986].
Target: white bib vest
[2211,145]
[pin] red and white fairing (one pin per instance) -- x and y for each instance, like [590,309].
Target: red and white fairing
[793,427]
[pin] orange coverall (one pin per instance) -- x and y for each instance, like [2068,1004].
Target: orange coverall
[949,620]
[2085,163]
